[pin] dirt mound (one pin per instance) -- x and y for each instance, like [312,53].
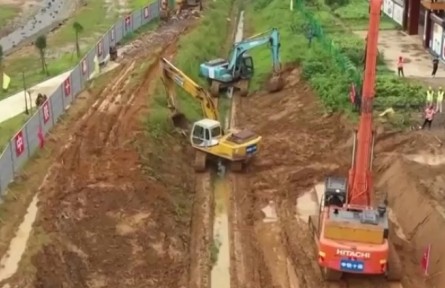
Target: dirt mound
[116,206]
[413,192]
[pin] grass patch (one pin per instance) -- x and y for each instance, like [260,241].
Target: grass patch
[138,4]
[356,16]
[10,127]
[328,72]
[214,251]
[7,13]
[202,44]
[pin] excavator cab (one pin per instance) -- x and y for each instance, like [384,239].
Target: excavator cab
[335,191]
[206,133]
[246,67]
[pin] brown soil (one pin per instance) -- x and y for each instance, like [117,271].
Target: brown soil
[116,206]
[301,146]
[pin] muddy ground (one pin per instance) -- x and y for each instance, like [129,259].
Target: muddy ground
[107,164]
[301,146]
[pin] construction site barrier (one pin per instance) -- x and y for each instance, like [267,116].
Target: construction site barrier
[30,138]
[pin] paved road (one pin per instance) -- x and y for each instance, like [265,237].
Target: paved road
[15,104]
[50,12]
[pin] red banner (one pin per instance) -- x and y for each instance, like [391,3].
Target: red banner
[41,137]
[67,87]
[46,112]
[425,263]
[19,143]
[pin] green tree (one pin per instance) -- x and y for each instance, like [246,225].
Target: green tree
[78,28]
[41,45]
[1,67]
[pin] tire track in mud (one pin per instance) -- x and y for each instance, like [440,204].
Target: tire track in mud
[98,171]
[202,232]
[291,161]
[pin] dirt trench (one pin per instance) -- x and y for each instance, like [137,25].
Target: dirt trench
[301,146]
[115,208]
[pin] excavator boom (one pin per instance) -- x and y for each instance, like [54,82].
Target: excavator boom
[360,176]
[172,75]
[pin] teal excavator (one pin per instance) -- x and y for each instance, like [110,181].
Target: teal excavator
[237,71]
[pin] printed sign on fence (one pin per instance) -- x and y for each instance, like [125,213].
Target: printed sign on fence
[46,112]
[146,12]
[19,143]
[84,66]
[67,87]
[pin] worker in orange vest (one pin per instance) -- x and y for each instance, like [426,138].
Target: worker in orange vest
[429,115]
[400,67]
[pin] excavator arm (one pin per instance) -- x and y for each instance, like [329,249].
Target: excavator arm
[172,75]
[271,37]
[360,176]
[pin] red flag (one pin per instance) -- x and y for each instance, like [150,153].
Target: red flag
[41,137]
[425,263]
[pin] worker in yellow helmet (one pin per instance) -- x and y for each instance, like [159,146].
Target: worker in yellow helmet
[429,96]
[439,102]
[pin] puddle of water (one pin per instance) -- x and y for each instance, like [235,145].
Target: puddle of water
[9,262]
[432,160]
[308,202]
[270,212]
[221,270]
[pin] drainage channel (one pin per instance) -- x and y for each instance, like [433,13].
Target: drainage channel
[220,274]
[10,261]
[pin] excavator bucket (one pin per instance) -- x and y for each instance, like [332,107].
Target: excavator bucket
[179,120]
[275,83]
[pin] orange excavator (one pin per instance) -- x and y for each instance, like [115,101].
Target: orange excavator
[351,233]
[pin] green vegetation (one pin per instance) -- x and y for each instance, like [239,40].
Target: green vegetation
[41,45]
[202,44]
[330,69]
[7,13]
[95,18]
[138,4]
[214,251]
[355,14]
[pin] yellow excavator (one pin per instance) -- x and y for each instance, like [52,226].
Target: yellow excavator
[207,136]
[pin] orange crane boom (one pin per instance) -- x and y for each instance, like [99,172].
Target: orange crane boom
[360,175]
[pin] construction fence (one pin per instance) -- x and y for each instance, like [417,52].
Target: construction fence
[313,28]
[31,136]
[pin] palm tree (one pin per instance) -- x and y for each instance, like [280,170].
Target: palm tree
[41,45]
[1,67]
[78,28]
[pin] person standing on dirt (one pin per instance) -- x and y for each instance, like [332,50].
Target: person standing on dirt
[435,66]
[400,67]
[439,101]
[429,96]
[429,115]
